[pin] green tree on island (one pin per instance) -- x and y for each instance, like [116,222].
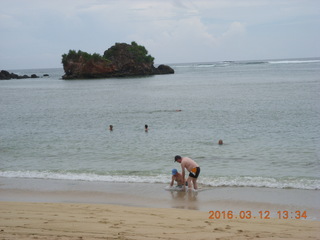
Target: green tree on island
[137,52]
[77,56]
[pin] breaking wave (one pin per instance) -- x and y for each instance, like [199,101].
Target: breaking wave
[221,181]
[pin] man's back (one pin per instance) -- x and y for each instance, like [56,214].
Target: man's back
[188,163]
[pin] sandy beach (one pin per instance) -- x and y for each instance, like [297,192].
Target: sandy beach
[96,221]
[49,209]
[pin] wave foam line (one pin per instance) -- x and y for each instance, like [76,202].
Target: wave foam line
[267,182]
[293,61]
[222,181]
[84,177]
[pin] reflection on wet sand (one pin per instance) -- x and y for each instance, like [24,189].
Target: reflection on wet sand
[184,200]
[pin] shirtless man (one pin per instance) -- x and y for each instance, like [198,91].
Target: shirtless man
[176,176]
[193,169]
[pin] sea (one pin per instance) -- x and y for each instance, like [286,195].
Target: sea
[266,112]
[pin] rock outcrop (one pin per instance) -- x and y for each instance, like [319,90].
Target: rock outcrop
[121,60]
[5,75]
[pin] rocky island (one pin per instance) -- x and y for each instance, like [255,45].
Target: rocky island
[5,75]
[120,60]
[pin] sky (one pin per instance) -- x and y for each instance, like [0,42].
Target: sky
[35,33]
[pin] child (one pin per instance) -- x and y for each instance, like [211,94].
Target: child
[176,176]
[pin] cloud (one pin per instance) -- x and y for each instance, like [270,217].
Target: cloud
[184,35]
[35,32]
[235,30]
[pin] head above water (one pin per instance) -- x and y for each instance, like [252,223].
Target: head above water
[176,158]
[174,171]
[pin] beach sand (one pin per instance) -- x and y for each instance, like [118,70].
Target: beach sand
[52,209]
[97,221]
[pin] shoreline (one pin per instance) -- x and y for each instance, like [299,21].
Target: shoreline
[236,199]
[56,209]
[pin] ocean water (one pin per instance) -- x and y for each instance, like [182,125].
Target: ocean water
[266,112]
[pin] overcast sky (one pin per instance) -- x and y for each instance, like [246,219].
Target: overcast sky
[35,33]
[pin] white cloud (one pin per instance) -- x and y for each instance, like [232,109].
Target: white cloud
[172,30]
[235,29]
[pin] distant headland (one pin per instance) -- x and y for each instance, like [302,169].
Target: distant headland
[120,60]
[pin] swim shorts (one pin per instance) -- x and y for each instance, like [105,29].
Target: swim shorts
[195,172]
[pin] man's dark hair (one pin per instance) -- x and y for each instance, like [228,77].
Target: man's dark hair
[177,158]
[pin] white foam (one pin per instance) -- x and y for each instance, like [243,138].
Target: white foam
[268,182]
[205,65]
[84,176]
[224,181]
[294,61]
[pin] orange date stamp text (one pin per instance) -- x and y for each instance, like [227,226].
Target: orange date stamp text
[262,214]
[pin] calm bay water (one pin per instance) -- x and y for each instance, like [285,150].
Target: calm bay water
[266,112]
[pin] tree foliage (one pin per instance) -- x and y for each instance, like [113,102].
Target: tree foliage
[77,55]
[137,52]
[140,53]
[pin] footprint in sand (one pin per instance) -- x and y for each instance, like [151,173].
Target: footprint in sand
[218,229]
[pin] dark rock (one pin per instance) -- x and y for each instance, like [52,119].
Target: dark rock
[46,75]
[34,76]
[164,69]
[5,75]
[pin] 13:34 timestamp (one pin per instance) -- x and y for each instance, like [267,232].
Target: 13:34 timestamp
[284,214]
